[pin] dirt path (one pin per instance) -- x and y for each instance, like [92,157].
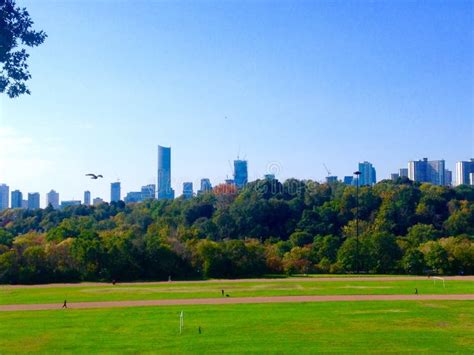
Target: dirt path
[237,300]
[290,279]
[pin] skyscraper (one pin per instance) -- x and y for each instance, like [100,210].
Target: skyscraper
[4,197]
[17,198]
[348,180]
[97,201]
[331,179]
[165,192]
[367,174]
[33,200]
[240,173]
[87,198]
[205,186]
[148,191]
[448,177]
[403,172]
[65,204]
[187,190]
[115,192]
[463,169]
[394,176]
[52,198]
[427,171]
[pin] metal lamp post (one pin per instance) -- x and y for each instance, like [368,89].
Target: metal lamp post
[357,174]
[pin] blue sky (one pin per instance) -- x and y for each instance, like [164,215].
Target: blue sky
[302,84]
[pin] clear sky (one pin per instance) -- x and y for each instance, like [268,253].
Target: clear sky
[302,84]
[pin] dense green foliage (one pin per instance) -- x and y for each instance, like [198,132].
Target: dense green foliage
[346,327]
[268,227]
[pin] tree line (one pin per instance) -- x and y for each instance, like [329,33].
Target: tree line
[268,227]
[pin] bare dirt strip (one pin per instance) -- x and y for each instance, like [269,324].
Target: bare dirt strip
[237,300]
[290,279]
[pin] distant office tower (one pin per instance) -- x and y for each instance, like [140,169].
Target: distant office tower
[187,190]
[394,176]
[269,177]
[115,192]
[52,198]
[205,186]
[471,179]
[33,200]
[403,172]
[229,181]
[240,173]
[367,174]
[24,204]
[148,191]
[463,169]
[331,179]
[448,177]
[97,201]
[65,204]
[133,197]
[348,180]
[165,192]
[87,198]
[4,197]
[424,170]
[17,199]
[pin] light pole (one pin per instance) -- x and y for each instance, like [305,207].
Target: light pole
[357,174]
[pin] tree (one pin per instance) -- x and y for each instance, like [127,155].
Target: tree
[436,257]
[6,238]
[325,247]
[15,33]
[296,261]
[420,233]
[300,239]
[351,257]
[413,262]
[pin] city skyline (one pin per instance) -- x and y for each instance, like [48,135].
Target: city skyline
[294,88]
[422,171]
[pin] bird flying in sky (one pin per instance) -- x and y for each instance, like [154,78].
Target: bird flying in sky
[94,176]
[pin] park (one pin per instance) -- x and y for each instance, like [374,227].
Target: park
[322,313]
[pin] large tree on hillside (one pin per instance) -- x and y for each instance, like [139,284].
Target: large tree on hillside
[16,33]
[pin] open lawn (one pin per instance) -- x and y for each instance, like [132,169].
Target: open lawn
[182,290]
[378,327]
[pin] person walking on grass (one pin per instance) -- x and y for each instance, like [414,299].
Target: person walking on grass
[65,304]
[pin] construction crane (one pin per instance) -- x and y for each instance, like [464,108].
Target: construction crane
[327,170]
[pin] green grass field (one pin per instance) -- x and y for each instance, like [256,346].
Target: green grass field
[349,327]
[80,293]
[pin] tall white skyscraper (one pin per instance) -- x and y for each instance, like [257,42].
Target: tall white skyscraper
[52,198]
[4,197]
[463,169]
